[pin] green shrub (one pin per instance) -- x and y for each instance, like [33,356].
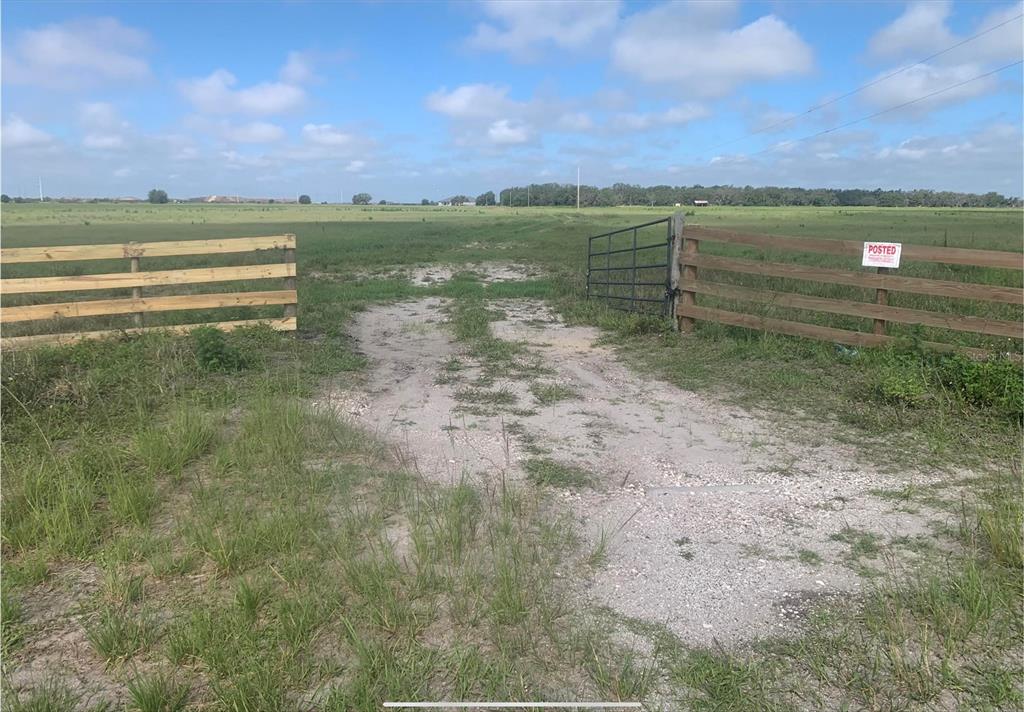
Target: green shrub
[901,381]
[907,375]
[996,383]
[213,352]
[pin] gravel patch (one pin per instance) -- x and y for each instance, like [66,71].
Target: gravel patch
[703,508]
[428,275]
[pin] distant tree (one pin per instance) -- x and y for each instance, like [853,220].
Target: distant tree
[426,201]
[5,198]
[382,202]
[157,196]
[486,199]
[361,199]
[271,201]
[729,195]
[305,199]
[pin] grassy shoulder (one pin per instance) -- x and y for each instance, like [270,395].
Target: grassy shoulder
[221,545]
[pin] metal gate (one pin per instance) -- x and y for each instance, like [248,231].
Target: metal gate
[631,269]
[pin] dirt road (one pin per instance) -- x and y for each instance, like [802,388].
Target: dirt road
[714,525]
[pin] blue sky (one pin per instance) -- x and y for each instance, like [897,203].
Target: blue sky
[415,100]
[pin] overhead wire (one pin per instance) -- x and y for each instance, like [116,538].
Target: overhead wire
[891,108]
[862,87]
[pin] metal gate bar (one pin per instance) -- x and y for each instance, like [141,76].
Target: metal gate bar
[627,284]
[613,269]
[639,284]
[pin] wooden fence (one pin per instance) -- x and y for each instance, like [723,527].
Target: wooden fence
[884,282]
[137,304]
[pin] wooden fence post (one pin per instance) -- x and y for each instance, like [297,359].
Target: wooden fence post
[689,276]
[136,291]
[290,310]
[881,297]
[677,244]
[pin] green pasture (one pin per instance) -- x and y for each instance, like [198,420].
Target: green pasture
[351,241]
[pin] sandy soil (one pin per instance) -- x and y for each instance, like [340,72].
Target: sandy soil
[704,507]
[431,274]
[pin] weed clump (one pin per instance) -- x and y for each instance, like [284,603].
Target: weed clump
[996,383]
[214,353]
[901,381]
[908,377]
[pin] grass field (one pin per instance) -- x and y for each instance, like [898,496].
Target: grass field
[198,536]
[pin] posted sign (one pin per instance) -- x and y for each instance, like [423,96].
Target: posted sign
[882,254]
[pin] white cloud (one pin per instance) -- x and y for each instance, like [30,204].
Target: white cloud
[523,27]
[504,132]
[215,95]
[923,28]
[99,114]
[1005,43]
[674,116]
[484,116]
[236,160]
[355,166]
[18,133]
[255,132]
[326,135]
[978,160]
[576,121]
[298,68]
[105,130]
[76,55]
[921,80]
[694,46]
[186,153]
[103,142]
[471,101]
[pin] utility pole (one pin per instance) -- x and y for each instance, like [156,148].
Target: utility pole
[577,187]
[40,189]
[527,196]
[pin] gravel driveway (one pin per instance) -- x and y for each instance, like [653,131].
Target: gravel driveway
[714,525]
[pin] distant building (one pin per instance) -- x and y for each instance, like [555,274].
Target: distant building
[701,203]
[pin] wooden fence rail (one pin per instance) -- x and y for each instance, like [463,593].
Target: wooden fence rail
[884,282]
[137,305]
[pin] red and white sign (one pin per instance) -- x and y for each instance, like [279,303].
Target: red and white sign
[882,254]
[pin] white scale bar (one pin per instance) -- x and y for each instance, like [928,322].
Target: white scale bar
[515,705]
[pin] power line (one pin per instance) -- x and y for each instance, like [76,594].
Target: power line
[862,87]
[894,108]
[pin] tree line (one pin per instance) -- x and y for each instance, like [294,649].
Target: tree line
[666,195]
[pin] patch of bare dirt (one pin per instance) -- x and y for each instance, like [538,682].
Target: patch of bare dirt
[704,508]
[428,275]
[56,648]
